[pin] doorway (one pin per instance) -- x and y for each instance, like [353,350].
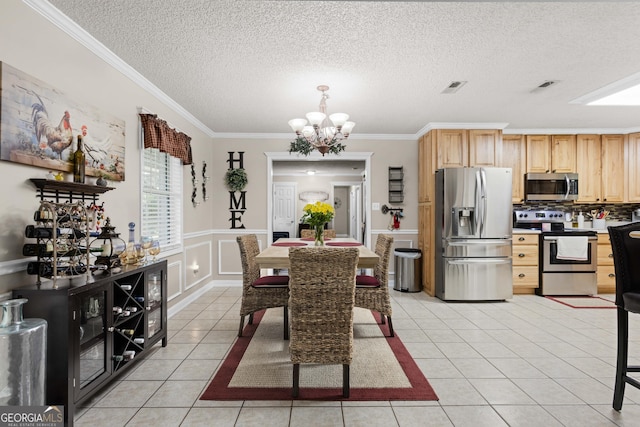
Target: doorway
[347,202]
[360,210]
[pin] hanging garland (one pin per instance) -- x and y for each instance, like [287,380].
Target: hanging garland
[236,179]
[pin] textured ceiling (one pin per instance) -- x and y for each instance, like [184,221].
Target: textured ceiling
[250,66]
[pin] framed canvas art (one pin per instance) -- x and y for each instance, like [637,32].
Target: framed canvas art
[39,126]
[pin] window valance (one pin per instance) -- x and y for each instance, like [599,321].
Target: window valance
[158,134]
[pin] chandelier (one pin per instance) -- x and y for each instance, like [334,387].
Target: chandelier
[319,132]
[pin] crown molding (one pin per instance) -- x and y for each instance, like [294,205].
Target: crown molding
[76,32]
[572,131]
[60,20]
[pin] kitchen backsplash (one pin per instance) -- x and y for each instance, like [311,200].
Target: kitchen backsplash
[619,212]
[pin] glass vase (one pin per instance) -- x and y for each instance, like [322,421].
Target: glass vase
[319,235]
[23,344]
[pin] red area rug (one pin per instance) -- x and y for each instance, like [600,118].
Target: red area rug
[584,301]
[416,388]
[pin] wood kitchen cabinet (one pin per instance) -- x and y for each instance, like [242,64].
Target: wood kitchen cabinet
[525,263]
[563,153]
[633,144]
[613,169]
[538,153]
[485,147]
[426,168]
[551,154]
[452,148]
[606,272]
[514,157]
[601,168]
[425,244]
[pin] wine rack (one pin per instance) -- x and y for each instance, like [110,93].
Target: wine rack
[98,328]
[62,241]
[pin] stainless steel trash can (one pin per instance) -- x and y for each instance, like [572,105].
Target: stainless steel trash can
[408,270]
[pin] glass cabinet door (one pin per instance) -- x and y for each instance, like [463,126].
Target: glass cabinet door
[156,312]
[91,321]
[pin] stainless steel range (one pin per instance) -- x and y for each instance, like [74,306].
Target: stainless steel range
[567,257]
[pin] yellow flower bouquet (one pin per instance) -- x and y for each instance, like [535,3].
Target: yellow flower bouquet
[317,215]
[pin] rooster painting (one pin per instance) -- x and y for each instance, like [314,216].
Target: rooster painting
[39,125]
[96,150]
[57,138]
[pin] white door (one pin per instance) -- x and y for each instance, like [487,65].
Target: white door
[284,207]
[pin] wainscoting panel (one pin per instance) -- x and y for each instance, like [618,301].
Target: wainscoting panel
[197,260]
[174,276]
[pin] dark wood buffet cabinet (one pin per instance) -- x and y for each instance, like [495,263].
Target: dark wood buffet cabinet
[98,326]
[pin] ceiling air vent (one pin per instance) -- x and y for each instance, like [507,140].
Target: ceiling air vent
[545,85]
[454,86]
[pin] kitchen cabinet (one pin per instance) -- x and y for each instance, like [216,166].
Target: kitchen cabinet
[563,153]
[514,157]
[452,148]
[425,244]
[525,263]
[633,144]
[601,168]
[588,168]
[551,154]
[538,153]
[98,326]
[485,147]
[606,271]
[613,168]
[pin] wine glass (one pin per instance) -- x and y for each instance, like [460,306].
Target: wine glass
[154,249]
[145,242]
[141,253]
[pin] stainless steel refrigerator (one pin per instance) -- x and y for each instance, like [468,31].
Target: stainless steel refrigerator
[473,227]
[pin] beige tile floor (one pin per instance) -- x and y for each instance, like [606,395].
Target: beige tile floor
[529,361]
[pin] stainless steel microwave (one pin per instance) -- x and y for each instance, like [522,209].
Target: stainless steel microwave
[557,187]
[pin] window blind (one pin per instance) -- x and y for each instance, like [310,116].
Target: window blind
[162,198]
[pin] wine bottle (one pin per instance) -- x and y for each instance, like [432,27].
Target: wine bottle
[117,310]
[125,287]
[45,269]
[131,309]
[39,232]
[78,162]
[138,340]
[118,358]
[38,249]
[128,332]
[129,354]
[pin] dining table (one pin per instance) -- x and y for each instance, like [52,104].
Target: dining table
[277,255]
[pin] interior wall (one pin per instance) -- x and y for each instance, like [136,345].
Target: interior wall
[42,50]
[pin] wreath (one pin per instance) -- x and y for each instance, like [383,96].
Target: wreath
[236,179]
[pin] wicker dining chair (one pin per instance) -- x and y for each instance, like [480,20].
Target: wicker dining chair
[626,251]
[372,292]
[309,233]
[259,293]
[322,286]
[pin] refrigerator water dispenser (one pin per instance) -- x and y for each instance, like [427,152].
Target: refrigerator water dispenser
[463,222]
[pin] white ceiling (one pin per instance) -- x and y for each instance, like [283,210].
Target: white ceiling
[250,66]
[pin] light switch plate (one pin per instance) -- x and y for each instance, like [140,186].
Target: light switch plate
[375,206]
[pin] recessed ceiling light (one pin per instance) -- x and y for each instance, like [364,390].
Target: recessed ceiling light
[625,92]
[311,172]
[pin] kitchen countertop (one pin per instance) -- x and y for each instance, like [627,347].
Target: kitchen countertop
[587,227]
